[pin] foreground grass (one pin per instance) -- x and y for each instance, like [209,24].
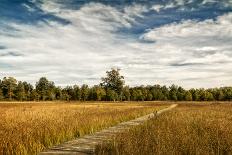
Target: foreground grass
[27,128]
[189,129]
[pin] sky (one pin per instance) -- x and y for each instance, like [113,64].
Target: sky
[182,42]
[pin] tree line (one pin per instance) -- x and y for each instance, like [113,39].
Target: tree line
[112,88]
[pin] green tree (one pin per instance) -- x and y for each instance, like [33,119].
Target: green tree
[20,91]
[111,95]
[1,92]
[28,88]
[45,89]
[209,96]
[149,96]
[134,94]
[68,93]
[1,95]
[113,81]
[195,94]
[65,95]
[126,94]
[140,94]
[202,94]
[8,87]
[227,93]
[77,92]
[34,95]
[97,93]
[84,92]
[220,95]
[157,92]
[180,94]
[173,93]
[144,92]
[188,96]
[165,93]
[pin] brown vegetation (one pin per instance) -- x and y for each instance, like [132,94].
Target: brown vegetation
[27,128]
[189,129]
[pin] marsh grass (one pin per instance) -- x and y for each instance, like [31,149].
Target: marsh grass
[27,128]
[189,129]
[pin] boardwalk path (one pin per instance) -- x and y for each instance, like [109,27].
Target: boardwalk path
[86,144]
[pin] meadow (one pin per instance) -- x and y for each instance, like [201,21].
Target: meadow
[30,127]
[193,128]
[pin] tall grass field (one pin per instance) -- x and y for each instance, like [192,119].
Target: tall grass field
[28,128]
[189,129]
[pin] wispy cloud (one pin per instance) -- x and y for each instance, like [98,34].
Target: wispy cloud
[81,50]
[199,49]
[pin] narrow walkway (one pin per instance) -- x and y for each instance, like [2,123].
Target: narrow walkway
[86,144]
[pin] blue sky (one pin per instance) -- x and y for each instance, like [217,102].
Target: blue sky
[185,42]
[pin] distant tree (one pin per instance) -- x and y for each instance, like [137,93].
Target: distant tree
[209,96]
[45,89]
[228,93]
[113,81]
[68,93]
[188,96]
[165,93]
[149,96]
[214,92]
[1,95]
[110,89]
[140,94]
[100,93]
[28,88]
[8,87]
[34,95]
[20,92]
[126,96]
[157,93]
[65,96]
[180,94]
[1,92]
[202,94]
[220,95]
[84,92]
[58,93]
[77,92]
[173,93]
[111,95]
[195,94]
[144,92]
[134,94]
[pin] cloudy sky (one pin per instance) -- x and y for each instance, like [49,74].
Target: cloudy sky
[185,42]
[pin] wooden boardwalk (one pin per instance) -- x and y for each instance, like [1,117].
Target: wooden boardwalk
[86,145]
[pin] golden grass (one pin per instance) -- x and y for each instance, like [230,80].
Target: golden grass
[201,129]
[27,128]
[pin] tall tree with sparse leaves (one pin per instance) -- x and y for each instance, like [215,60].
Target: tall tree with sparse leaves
[113,81]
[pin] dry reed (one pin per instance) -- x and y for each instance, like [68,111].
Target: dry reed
[27,128]
[201,129]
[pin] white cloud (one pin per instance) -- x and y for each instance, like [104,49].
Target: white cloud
[208,28]
[30,9]
[157,7]
[183,5]
[171,4]
[208,1]
[135,10]
[203,48]
[74,53]
[191,53]
[189,29]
